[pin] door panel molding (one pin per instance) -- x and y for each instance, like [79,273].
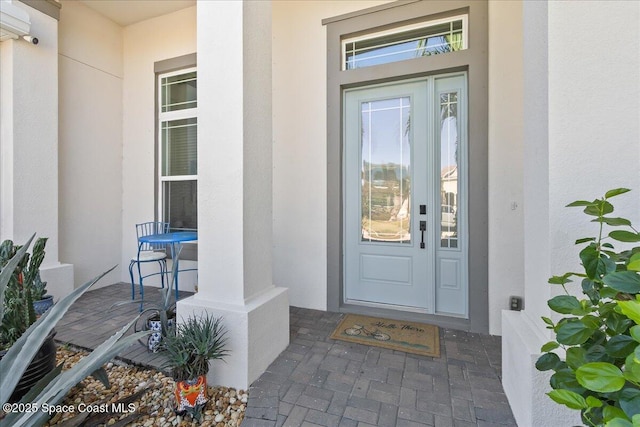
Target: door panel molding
[475,61]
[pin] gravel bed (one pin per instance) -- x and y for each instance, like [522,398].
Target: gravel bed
[225,408]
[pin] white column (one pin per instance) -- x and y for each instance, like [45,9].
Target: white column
[29,145]
[581,133]
[235,189]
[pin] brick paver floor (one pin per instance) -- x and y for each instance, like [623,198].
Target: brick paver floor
[318,381]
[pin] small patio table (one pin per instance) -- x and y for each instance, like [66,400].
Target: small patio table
[174,240]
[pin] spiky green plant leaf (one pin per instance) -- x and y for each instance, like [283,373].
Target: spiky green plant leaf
[24,349]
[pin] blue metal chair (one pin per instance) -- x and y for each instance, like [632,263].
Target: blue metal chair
[147,253]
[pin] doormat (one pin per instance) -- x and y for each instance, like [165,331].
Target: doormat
[410,337]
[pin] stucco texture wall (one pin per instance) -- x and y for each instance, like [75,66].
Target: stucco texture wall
[506,223]
[90,142]
[144,43]
[300,146]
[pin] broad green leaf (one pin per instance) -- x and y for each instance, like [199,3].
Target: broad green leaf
[631,309]
[617,323]
[620,346]
[548,361]
[594,402]
[632,368]
[634,262]
[591,322]
[585,240]
[598,208]
[565,378]
[568,398]
[596,263]
[623,281]
[590,290]
[607,292]
[601,377]
[615,222]
[580,203]
[572,332]
[636,420]
[564,304]
[635,332]
[551,345]
[548,321]
[611,413]
[630,401]
[616,191]
[560,280]
[625,236]
[597,353]
[576,357]
[619,422]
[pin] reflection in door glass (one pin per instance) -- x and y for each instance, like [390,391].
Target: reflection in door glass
[386,173]
[449,170]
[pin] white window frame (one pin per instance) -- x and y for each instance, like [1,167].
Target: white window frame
[187,113]
[425,24]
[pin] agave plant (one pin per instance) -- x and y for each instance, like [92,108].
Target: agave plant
[54,386]
[194,343]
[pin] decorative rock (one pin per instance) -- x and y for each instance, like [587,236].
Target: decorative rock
[224,408]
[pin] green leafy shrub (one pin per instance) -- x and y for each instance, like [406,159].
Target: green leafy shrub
[600,333]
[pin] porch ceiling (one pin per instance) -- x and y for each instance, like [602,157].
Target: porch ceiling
[127,12]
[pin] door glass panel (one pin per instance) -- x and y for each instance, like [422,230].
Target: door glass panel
[386,170]
[449,170]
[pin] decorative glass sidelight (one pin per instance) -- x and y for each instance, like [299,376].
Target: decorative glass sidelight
[449,186]
[386,170]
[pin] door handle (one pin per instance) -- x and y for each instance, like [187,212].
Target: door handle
[423,228]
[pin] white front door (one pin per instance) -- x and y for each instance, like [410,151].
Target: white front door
[403,206]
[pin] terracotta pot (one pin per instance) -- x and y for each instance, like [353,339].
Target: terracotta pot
[190,393]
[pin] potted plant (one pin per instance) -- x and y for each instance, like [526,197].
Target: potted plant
[26,276]
[187,352]
[595,356]
[158,318]
[53,387]
[20,310]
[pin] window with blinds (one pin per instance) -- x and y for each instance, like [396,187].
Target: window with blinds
[407,42]
[178,149]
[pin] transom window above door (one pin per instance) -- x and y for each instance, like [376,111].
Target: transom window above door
[407,42]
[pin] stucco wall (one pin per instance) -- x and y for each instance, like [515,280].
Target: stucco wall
[145,43]
[581,133]
[299,150]
[90,166]
[506,263]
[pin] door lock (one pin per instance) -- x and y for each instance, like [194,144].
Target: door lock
[423,209]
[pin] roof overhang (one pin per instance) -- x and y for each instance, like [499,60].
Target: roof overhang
[14,22]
